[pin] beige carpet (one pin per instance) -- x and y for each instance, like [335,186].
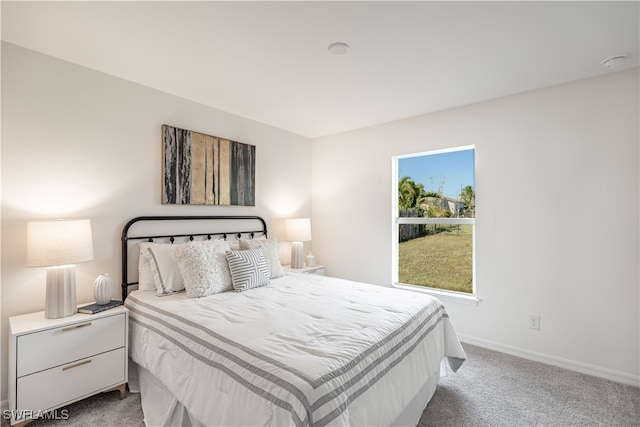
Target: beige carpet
[490,389]
[495,389]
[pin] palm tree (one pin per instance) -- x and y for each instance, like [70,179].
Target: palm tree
[421,196]
[408,193]
[468,198]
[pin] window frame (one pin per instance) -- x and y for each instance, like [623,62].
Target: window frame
[442,294]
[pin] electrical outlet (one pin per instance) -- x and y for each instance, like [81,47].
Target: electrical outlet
[534,322]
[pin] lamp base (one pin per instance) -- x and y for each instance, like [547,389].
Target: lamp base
[297,257]
[61,292]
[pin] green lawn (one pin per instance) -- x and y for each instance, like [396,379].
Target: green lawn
[441,260]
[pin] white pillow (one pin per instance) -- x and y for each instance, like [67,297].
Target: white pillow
[145,277]
[270,247]
[204,267]
[234,244]
[164,268]
[248,269]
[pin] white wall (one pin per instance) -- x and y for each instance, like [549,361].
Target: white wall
[557,230]
[81,144]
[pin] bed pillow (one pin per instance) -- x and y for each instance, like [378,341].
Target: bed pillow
[145,277]
[248,269]
[204,267]
[164,268]
[234,245]
[271,254]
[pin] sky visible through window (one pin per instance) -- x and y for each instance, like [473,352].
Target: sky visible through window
[455,168]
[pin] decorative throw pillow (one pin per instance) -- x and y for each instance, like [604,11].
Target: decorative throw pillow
[165,270]
[204,267]
[145,277]
[271,254]
[248,269]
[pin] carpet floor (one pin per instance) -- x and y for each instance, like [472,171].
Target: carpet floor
[490,389]
[496,389]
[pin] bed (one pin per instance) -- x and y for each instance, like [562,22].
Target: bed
[297,350]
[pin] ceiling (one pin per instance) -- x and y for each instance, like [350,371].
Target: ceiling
[268,61]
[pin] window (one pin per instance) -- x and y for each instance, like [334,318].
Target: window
[434,220]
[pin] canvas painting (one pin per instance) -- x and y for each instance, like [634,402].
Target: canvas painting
[201,169]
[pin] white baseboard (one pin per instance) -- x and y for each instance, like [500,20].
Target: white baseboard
[585,368]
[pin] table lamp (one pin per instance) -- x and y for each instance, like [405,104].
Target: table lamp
[59,244]
[298,231]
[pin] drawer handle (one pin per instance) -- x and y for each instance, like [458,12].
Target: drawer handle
[84,362]
[70,328]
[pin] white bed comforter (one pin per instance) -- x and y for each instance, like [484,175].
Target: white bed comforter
[304,350]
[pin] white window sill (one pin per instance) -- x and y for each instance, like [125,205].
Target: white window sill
[446,296]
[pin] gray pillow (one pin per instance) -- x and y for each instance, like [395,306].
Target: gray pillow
[271,254]
[248,269]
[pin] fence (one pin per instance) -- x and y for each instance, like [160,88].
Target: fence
[411,231]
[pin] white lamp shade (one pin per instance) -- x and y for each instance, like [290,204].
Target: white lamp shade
[299,230]
[59,242]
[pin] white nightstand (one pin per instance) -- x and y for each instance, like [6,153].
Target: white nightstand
[55,362]
[317,269]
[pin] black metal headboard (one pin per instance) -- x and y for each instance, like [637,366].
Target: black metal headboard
[185,228]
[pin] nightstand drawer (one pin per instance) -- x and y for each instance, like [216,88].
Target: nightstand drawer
[53,387]
[57,346]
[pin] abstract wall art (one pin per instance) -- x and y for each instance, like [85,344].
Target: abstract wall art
[200,169]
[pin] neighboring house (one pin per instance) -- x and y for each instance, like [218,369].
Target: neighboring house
[448,204]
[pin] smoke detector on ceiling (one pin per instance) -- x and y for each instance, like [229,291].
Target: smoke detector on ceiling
[339,48]
[615,62]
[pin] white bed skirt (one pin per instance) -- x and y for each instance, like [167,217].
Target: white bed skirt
[162,409]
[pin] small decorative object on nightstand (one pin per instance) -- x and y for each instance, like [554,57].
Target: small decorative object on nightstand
[316,269]
[55,362]
[102,289]
[310,260]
